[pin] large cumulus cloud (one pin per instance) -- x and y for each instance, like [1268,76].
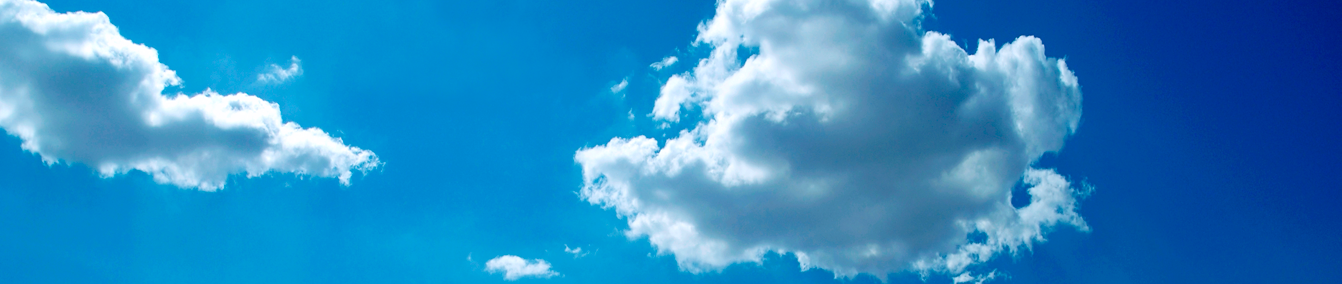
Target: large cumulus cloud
[850,137]
[74,90]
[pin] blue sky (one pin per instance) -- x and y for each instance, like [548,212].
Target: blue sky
[1209,135]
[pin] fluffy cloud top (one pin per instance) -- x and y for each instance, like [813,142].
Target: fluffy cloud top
[75,91]
[514,267]
[275,74]
[851,138]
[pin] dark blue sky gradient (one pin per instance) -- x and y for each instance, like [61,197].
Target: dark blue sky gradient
[1210,129]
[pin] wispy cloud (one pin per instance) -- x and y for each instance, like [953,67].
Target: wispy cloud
[619,87]
[666,62]
[576,251]
[275,74]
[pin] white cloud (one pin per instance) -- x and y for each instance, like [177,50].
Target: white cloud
[976,279]
[666,62]
[852,138]
[619,87]
[75,91]
[514,267]
[275,74]
[576,252]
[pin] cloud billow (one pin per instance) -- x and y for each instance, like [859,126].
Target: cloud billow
[852,138]
[74,90]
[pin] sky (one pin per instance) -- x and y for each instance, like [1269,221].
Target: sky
[736,141]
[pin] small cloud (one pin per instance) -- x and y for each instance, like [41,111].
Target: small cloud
[976,279]
[276,75]
[619,87]
[666,62]
[514,267]
[577,251]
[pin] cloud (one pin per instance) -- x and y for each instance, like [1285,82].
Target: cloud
[576,252]
[979,279]
[75,91]
[619,87]
[666,62]
[514,267]
[275,74]
[849,137]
